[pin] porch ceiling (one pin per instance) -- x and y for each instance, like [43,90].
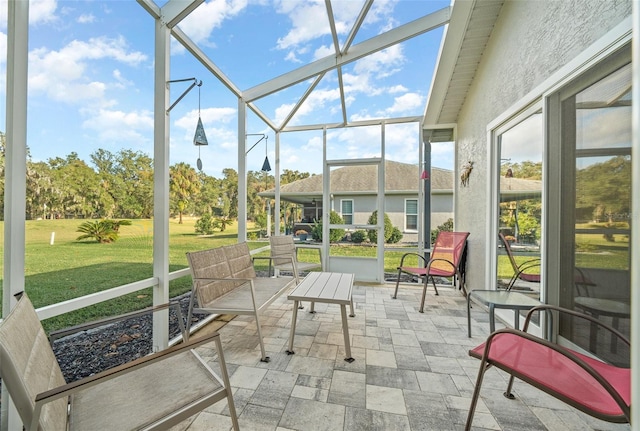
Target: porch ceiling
[464,42]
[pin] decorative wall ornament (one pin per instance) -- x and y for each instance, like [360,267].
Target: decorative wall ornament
[466,172]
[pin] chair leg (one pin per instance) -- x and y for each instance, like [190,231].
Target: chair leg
[424,293]
[395,293]
[508,393]
[264,358]
[433,281]
[192,302]
[227,385]
[461,285]
[476,394]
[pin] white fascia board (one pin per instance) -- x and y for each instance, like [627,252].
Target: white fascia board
[370,46]
[450,46]
[175,11]
[206,62]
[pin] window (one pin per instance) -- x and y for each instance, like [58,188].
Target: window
[411,214]
[596,215]
[346,208]
[519,183]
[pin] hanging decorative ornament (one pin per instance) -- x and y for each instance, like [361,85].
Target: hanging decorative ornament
[200,138]
[266,167]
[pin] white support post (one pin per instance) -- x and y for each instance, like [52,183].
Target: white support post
[326,186]
[15,174]
[242,170]
[161,183]
[381,208]
[276,214]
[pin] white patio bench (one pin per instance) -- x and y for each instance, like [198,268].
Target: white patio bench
[225,282]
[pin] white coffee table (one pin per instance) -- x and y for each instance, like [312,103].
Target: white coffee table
[330,288]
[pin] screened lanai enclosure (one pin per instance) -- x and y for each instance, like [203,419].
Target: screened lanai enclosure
[347,50]
[482,82]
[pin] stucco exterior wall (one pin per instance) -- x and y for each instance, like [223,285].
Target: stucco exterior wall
[530,41]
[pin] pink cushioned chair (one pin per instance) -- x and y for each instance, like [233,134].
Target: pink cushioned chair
[447,259]
[595,387]
[520,270]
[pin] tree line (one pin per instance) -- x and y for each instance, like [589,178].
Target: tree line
[120,186]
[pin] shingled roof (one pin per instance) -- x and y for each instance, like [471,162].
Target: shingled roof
[400,178]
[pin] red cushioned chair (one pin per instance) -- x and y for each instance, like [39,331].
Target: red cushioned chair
[447,259]
[595,387]
[520,270]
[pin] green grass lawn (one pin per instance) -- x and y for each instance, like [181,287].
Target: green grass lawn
[68,268]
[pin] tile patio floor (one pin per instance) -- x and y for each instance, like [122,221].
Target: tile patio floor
[411,371]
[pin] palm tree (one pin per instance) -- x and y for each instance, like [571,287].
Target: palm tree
[183,184]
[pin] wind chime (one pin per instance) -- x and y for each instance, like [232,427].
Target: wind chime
[200,138]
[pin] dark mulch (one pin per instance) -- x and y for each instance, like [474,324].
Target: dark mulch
[90,352]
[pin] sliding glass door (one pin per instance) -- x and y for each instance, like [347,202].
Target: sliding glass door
[596,216]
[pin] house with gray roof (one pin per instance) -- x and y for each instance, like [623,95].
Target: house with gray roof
[353,195]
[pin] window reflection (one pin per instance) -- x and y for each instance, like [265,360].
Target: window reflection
[520,206]
[601,214]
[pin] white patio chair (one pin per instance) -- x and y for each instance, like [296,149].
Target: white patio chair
[152,392]
[284,252]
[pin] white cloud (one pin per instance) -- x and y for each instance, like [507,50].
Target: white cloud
[120,126]
[86,18]
[323,51]
[397,89]
[40,11]
[406,103]
[382,63]
[309,20]
[199,24]
[291,56]
[316,100]
[381,11]
[209,116]
[282,111]
[61,75]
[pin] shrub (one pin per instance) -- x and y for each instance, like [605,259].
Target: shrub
[396,236]
[222,223]
[358,236]
[388,227]
[261,221]
[205,225]
[446,226]
[335,235]
[102,231]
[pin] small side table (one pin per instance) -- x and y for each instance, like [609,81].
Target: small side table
[500,299]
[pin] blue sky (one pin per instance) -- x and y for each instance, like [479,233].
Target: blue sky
[91,80]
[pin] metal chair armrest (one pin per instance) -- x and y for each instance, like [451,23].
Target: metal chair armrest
[70,388]
[420,257]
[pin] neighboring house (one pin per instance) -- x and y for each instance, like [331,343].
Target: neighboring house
[548,82]
[353,194]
